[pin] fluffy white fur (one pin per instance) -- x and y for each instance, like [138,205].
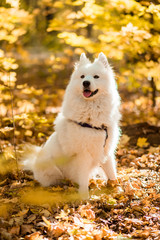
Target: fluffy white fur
[73,151]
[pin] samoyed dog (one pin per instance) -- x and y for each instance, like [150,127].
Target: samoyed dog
[86,129]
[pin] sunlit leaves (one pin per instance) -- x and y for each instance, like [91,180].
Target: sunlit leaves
[7,64]
[96,23]
[8,78]
[42,196]
[154,9]
[127,5]
[142,142]
[11,21]
[7,161]
[92,10]
[13,3]
[73,39]
[138,35]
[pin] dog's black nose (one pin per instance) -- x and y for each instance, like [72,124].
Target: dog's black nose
[86,84]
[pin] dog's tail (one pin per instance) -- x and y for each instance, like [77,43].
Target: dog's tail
[29,157]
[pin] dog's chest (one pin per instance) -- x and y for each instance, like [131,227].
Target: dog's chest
[93,140]
[83,139]
[93,116]
[75,139]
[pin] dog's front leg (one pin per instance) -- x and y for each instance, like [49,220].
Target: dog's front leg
[109,166]
[83,180]
[83,189]
[79,170]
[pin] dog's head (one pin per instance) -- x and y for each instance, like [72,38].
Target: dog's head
[91,79]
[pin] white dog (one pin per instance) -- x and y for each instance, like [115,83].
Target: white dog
[86,130]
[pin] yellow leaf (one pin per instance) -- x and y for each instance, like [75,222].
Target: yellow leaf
[142,142]
[41,135]
[6,130]
[73,39]
[28,133]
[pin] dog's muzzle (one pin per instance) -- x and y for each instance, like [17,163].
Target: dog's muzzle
[87,93]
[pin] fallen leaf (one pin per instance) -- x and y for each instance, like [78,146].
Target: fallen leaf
[87,212]
[34,236]
[142,142]
[129,190]
[26,228]
[57,230]
[45,212]
[141,234]
[124,141]
[15,230]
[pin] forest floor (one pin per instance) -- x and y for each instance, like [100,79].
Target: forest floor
[126,209]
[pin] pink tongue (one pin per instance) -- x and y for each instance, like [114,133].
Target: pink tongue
[87,93]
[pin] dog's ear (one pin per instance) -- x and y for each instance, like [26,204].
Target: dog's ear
[102,58]
[83,59]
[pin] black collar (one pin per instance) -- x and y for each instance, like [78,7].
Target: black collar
[93,127]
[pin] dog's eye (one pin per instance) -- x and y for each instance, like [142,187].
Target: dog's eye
[82,76]
[96,76]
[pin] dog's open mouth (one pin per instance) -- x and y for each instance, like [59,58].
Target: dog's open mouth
[87,93]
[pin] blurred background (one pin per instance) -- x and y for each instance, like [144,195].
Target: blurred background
[40,40]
